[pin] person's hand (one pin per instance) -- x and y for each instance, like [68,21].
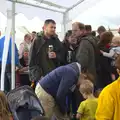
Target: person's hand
[23,69]
[52,55]
[25,54]
[101,51]
[78,116]
[17,69]
[32,84]
[113,76]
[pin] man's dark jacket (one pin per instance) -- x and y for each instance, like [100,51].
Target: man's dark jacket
[85,54]
[60,82]
[40,64]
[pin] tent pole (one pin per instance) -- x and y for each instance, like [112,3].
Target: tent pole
[37,6]
[13,46]
[64,22]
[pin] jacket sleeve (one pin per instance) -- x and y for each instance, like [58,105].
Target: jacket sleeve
[110,54]
[35,71]
[82,55]
[68,80]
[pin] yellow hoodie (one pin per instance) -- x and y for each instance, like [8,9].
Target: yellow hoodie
[109,102]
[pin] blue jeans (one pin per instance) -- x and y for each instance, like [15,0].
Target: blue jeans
[71,104]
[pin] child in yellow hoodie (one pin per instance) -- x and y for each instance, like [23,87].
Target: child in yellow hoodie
[109,99]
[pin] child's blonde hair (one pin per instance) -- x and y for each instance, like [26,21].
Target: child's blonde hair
[4,108]
[86,87]
[116,40]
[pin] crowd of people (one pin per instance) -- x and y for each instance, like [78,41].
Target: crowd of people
[68,76]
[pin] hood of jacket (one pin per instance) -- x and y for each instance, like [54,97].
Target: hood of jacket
[76,66]
[41,34]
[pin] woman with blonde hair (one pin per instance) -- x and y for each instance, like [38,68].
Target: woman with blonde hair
[4,108]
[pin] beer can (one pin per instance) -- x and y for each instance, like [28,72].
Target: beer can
[50,48]
[69,57]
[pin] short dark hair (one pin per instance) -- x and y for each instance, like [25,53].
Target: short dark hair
[106,37]
[93,33]
[68,34]
[34,32]
[40,118]
[101,29]
[48,21]
[88,27]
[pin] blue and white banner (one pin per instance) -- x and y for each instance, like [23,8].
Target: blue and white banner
[6,47]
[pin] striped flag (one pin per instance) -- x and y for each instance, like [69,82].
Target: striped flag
[3,9]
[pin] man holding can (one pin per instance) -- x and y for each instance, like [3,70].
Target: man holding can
[46,52]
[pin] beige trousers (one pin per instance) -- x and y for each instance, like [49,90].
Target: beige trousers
[49,104]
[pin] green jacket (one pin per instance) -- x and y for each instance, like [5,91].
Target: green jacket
[39,65]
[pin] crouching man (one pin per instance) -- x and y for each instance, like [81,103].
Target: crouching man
[55,86]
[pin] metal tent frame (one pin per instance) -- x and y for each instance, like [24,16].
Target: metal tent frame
[66,19]
[65,11]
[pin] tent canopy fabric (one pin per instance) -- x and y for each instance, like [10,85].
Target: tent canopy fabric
[51,8]
[79,10]
[58,5]
[64,12]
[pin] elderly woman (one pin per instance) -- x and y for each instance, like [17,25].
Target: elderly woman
[24,58]
[69,43]
[104,75]
[24,50]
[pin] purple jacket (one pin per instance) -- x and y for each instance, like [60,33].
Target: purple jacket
[60,82]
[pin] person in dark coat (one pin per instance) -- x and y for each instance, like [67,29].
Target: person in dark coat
[69,44]
[85,53]
[94,33]
[104,75]
[53,89]
[43,61]
[100,30]
[89,32]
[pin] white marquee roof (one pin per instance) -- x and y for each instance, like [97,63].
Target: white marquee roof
[53,5]
[94,12]
[52,8]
